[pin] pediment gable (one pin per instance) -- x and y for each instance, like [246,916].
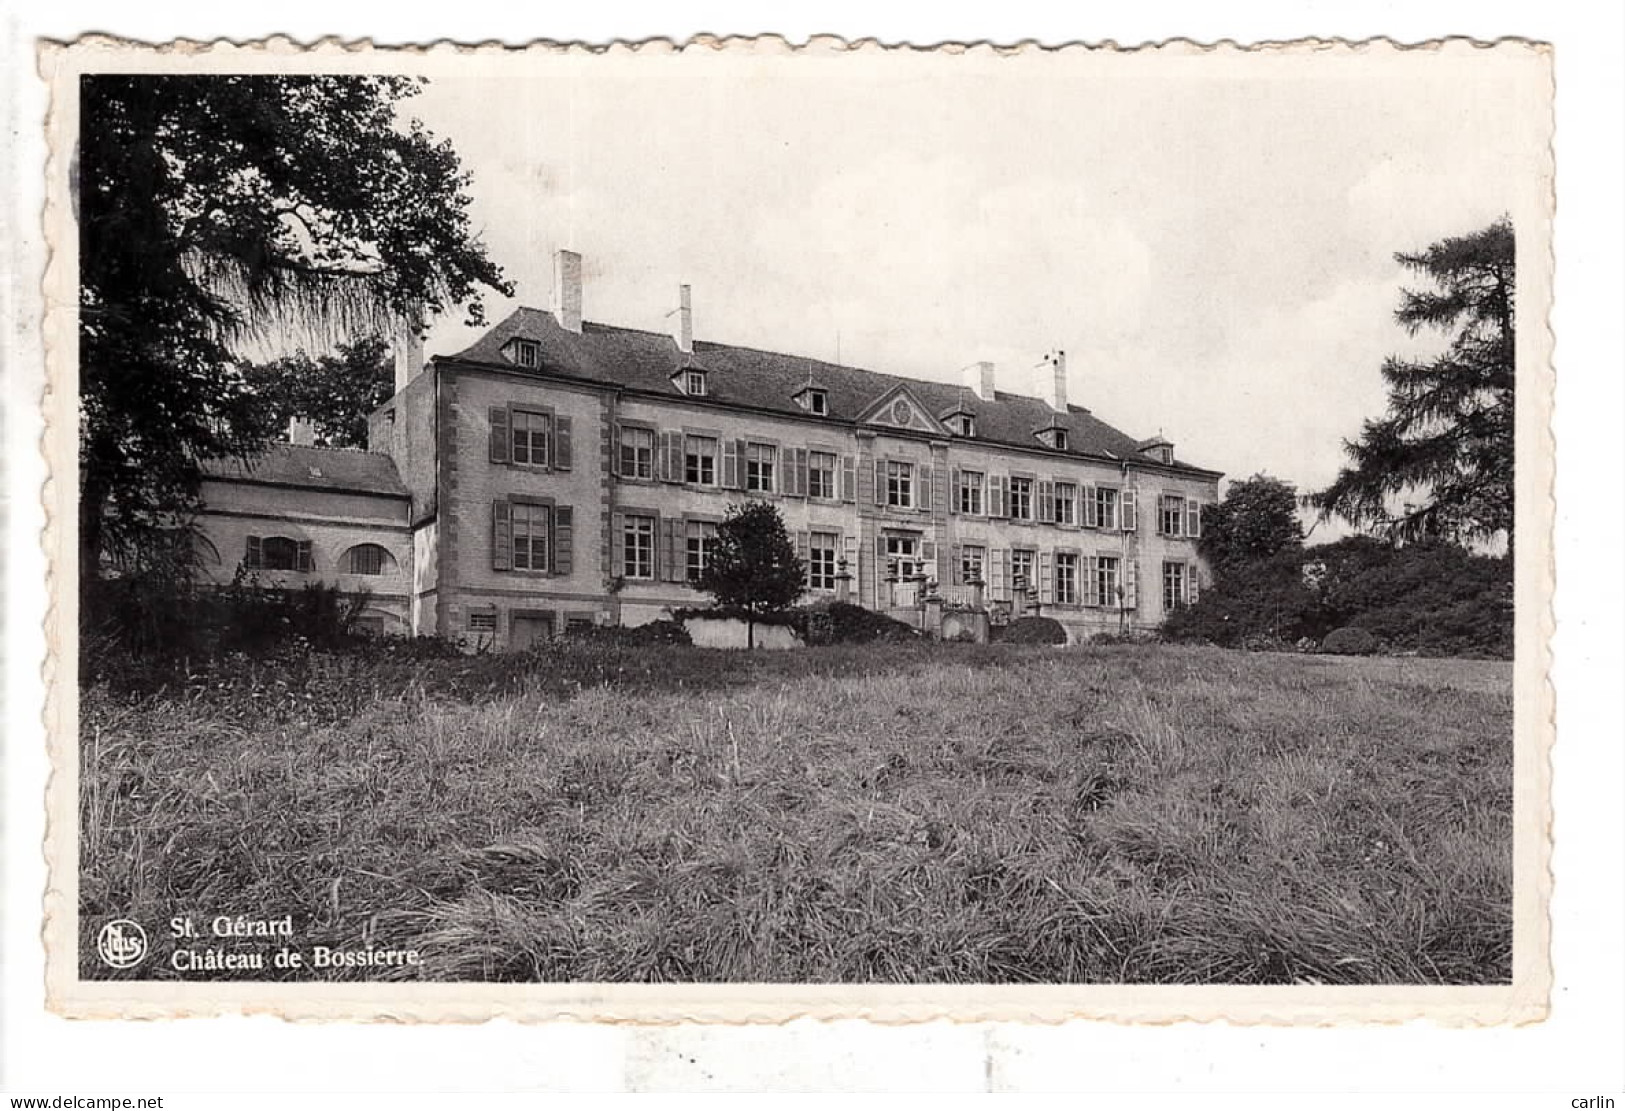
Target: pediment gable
[899,408]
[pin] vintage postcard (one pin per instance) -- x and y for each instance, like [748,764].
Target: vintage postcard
[731,531]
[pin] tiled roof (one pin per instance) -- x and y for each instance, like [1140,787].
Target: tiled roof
[647,361]
[339,469]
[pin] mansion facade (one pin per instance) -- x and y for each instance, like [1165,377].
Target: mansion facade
[562,472]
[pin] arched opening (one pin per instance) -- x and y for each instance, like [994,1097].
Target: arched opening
[369,559]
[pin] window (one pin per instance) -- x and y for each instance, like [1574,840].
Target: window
[821,475]
[700,461]
[815,401]
[1106,507]
[532,526]
[1058,439]
[531,432]
[1021,499]
[962,424]
[972,559]
[822,553]
[482,621]
[528,352]
[759,459]
[970,492]
[1104,591]
[1066,578]
[637,453]
[1173,586]
[699,540]
[1066,503]
[577,622]
[694,383]
[1021,569]
[902,555]
[638,561]
[1171,518]
[899,484]
[367,559]
[277,553]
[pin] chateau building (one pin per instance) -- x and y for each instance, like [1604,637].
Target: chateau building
[562,472]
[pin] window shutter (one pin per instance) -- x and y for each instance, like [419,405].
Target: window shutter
[501,536]
[254,555]
[956,565]
[1193,518]
[731,478]
[1193,589]
[615,449]
[928,557]
[804,553]
[563,453]
[501,436]
[881,570]
[849,478]
[1002,568]
[742,453]
[803,467]
[563,540]
[617,546]
[995,495]
[1091,581]
[673,566]
[939,490]
[1128,510]
[674,455]
[955,485]
[928,477]
[1091,509]
[1046,500]
[1131,584]
[1046,578]
[880,482]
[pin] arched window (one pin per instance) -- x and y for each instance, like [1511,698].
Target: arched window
[277,553]
[368,559]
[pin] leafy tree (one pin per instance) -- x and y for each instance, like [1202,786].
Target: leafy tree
[753,565]
[219,209]
[1257,518]
[1444,448]
[335,392]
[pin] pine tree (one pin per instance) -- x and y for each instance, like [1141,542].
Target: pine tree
[753,564]
[1443,453]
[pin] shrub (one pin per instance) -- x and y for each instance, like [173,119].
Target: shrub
[652,634]
[844,623]
[1349,641]
[1034,630]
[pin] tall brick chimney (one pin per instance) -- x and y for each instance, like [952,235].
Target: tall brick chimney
[978,378]
[1052,381]
[682,329]
[567,290]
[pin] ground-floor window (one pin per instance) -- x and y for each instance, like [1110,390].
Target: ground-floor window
[822,552]
[1107,576]
[531,525]
[638,560]
[1066,578]
[1021,569]
[902,555]
[972,563]
[1173,586]
[699,539]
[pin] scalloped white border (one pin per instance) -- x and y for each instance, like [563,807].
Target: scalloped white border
[1526,1000]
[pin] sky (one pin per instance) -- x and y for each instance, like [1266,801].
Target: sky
[1210,241]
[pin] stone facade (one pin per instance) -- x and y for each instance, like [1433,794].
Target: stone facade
[561,472]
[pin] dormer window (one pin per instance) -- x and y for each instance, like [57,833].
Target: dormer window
[962,424]
[527,353]
[817,402]
[1054,437]
[692,382]
[1165,453]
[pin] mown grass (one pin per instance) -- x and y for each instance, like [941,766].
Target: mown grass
[882,813]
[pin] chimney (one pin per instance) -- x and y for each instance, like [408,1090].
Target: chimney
[567,290]
[301,432]
[979,380]
[683,330]
[407,343]
[1052,381]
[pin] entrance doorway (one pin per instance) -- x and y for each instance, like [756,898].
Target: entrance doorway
[528,628]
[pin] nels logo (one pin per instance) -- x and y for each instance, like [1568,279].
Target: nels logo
[121,944]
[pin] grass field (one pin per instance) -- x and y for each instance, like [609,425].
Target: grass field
[927,813]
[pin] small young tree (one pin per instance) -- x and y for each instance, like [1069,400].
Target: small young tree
[753,564]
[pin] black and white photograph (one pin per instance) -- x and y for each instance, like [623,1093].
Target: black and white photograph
[955,530]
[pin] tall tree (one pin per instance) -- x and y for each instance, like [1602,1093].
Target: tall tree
[1257,519]
[753,564]
[1439,463]
[334,392]
[214,209]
